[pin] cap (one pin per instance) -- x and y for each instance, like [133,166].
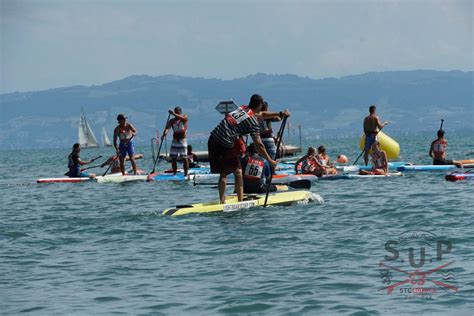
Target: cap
[121,117]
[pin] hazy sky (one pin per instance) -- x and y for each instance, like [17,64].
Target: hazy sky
[46,44]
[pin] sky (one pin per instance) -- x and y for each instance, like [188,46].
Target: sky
[46,44]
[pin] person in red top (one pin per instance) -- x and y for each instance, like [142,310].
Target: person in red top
[438,150]
[124,132]
[179,125]
[324,161]
[225,153]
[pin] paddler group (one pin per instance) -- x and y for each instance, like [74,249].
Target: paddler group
[252,165]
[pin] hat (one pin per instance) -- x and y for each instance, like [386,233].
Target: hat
[121,117]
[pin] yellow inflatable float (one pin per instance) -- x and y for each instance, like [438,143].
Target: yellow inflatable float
[388,144]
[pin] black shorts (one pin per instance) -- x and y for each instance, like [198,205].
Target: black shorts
[222,159]
[250,188]
[442,162]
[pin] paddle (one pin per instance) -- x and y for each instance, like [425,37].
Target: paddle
[116,157]
[297,184]
[159,148]
[362,152]
[441,126]
[280,137]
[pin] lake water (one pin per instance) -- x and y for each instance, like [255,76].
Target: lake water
[92,248]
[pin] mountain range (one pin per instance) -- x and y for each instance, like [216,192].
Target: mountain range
[412,101]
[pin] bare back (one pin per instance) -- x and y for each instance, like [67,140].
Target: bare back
[372,124]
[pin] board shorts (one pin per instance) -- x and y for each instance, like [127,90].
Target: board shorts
[270,146]
[179,148]
[442,162]
[369,140]
[222,159]
[125,149]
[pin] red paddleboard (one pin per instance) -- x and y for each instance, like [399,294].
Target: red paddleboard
[62,180]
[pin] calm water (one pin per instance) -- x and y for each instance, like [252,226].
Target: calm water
[93,248]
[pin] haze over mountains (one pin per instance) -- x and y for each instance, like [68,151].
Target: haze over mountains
[412,101]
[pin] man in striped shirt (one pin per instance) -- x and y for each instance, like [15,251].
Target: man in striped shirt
[225,143]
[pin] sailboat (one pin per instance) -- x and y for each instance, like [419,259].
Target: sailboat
[86,135]
[105,139]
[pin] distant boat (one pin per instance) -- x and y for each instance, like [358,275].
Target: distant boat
[105,139]
[86,135]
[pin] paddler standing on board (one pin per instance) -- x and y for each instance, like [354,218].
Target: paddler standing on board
[124,132]
[372,127]
[224,158]
[179,124]
[75,163]
[379,161]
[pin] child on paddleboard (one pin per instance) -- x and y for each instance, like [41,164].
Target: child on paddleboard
[314,164]
[256,170]
[379,161]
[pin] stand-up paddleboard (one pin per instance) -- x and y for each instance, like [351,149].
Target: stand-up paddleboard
[359,176]
[356,168]
[170,177]
[232,204]
[427,168]
[387,144]
[62,180]
[466,163]
[118,178]
[200,170]
[458,176]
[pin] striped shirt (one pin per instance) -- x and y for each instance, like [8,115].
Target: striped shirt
[239,122]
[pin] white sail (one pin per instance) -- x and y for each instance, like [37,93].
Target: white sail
[86,135]
[105,138]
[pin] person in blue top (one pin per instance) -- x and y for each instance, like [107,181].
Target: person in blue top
[75,163]
[256,171]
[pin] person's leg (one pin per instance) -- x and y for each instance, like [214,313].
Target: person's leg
[122,164]
[239,184]
[366,157]
[222,185]
[174,165]
[185,165]
[134,165]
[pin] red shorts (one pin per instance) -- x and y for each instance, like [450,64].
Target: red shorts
[222,159]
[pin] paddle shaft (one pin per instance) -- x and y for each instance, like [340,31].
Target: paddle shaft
[117,157]
[280,138]
[159,148]
[441,126]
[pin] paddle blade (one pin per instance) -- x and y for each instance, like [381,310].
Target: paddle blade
[300,184]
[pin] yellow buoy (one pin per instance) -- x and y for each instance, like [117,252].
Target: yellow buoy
[388,144]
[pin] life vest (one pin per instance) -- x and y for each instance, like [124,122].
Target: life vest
[179,128]
[323,160]
[308,165]
[377,160]
[74,167]
[125,133]
[254,168]
[265,130]
[439,146]
[236,117]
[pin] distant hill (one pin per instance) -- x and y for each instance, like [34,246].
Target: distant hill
[411,100]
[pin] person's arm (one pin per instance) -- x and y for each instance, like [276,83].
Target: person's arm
[133,129]
[115,139]
[431,153]
[298,162]
[261,149]
[195,158]
[182,117]
[267,115]
[380,125]
[318,164]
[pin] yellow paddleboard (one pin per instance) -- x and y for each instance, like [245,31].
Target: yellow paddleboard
[388,144]
[250,200]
